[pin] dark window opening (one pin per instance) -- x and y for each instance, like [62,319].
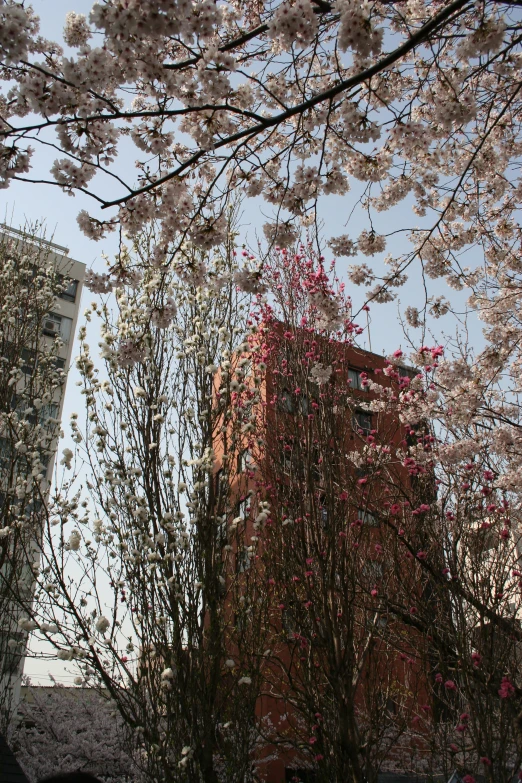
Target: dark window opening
[367,518]
[55,325]
[29,361]
[243,560]
[362,421]
[357,379]
[323,512]
[286,403]
[244,508]
[69,288]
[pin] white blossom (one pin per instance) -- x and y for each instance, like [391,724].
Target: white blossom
[320,374]
[74,541]
[67,457]
[245,681]
[102,624]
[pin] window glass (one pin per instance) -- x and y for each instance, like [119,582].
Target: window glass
[245,461]
[286,460]
[6,451]
[222,533]
[286,402]
[367,517]
[244,508]
[55,325]
[362,421]
[28,359]
[409,371]
[304,405]
[70,289]
[49,411]
[372,570]
[357,379]
[244,368]
[288,620]
[243,559]
[218,479]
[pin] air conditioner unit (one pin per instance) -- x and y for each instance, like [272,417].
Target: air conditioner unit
[51,328]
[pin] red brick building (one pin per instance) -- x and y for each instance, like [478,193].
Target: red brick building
[320,540]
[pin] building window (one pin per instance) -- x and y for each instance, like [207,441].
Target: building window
[243,560]
[307,400]
[367,518]
[304,405]
[245,461]
[70,288]
[7,451]
[222,532]
[218,482]
[46,412]
[357,379]
[244,508]
[372,571]
[408,371]
[362,421]
[28,361]
[55,325]
[481,541]
[286,459]
[13,657]
[286,402]
[323,511]
[244,368]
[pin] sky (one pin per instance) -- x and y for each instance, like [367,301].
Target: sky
[25,202]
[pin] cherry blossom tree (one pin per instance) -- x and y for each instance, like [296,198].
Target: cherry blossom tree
[292,101]
[62,729]
[136,575]
[31,380]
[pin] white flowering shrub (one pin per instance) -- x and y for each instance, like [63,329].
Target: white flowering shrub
[428,112]
[155,600]
[65,729]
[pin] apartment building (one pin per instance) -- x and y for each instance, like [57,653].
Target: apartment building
[299,459]
[36,340]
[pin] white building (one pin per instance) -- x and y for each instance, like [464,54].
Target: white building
[15,396]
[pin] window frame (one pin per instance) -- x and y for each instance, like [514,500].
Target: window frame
[68,282]
[359,427]
[59,320]
[244,508]
[355,374]
[243,560]
[286,402]
[367,517]
[245,461]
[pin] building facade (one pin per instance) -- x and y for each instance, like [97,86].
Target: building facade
[40,292]
[317,540]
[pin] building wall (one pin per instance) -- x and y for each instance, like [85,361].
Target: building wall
[275,763]
[62,319]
